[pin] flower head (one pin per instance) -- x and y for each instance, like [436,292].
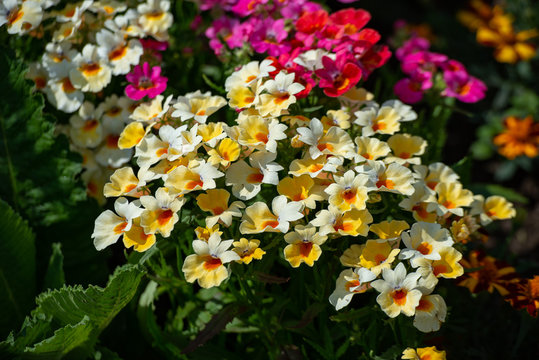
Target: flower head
[145,81]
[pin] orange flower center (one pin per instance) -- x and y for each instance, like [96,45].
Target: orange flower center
[420,211]
[90,125]
[424,248]
[424,305]
[449,205]
[404,155]
[262,137]
[399,296]
[379,258]
[349,196]
[440,269]
[90,69]
[211,263]
[305,248]
[164,217]
[281,98]
[118,229]
[385,182]
[325,146]
[379,126]
[14,16]
[217,210]
[67,86]
[255,178]
[117,53]
[270,223]
[193,184]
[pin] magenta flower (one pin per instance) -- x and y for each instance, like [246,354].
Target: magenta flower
[464,87]
[145,82]
[422,61]
[337,77]
[270,36]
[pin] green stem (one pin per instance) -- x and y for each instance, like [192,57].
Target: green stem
[12,178]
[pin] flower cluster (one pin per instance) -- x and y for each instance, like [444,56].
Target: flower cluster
[519,137]
[333,51]
[330,178]
[92,42]
[494,28]
[427,70]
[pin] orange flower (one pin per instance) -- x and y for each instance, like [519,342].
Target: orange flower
[525,295]
[488,274]
[479,15]
[521,137]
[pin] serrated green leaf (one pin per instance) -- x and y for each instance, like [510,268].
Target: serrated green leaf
[63,341]
[69,305]
[76,314]
[17,269]
[54,277]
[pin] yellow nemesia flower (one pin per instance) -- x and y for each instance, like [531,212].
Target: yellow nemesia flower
[304,245]
[301,189]
[389,230]
[248,250]
[216,202]
[428,353]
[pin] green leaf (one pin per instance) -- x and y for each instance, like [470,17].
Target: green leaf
[493,189]
[69,305]
[76,315]
[17,269]
[54,278]
[40,168]
[64,340]
[464,169]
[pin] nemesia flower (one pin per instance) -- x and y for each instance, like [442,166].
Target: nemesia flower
[109,227]
[86,130]
[464,87]
[384,120]
[224,153]
[335,141]
[447,266]
[348,191]
[269,36]
[301,189]
[425,240]
[389,230]
[60,91]
[91,73]
[430,313]
[436,173]
[373,255]
[419,203]
[520,137]
[314,167]
[392,178]
[398,293]
[121,54]
[20,17]
[370,148]
[204,233]
[201,177]
[145,82]
[404,148]
[339,75]
[248,250]
[258,218]
[353,223]
[206,266]
[260,133]
[155,19]
[451,198]
[124,182]
[198,106]
[303,245]
[216,202]
[493,208]
[160,212]
[280,94]
[349,283]
[428,353]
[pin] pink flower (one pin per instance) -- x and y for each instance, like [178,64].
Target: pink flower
[408,90]
[337,77]
[464,87]
[270,36]
[422,61]
[145,82]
